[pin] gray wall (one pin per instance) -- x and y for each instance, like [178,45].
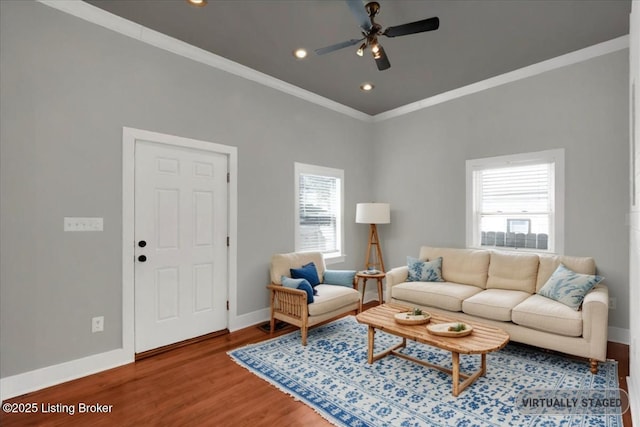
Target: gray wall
[582,108]
[68,87]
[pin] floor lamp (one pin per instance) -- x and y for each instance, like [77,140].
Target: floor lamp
[373,214]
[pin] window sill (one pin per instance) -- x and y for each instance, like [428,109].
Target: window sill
[512,249]
[334,259]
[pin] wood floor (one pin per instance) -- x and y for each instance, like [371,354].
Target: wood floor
[195,385]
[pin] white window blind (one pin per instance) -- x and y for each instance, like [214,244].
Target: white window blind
[319,209]
[514,201]
[520,189]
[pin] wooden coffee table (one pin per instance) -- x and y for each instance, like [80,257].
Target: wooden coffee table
[482,340]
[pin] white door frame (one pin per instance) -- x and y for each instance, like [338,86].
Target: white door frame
[129,137]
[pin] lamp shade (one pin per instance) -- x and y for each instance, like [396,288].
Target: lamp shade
[373,213]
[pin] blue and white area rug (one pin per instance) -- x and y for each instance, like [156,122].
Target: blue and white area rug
[331,375]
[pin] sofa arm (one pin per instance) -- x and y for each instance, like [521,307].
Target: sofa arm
[595,318]
[396,276]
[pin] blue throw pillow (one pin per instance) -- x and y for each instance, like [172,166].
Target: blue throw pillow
[307,271]
[299,284]
[289,282]
[339,277]
[424,271]
[310,291]
[568,287]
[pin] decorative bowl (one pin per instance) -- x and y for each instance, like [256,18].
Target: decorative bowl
[409,318]
[442,329]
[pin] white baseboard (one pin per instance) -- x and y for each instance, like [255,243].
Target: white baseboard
[619,335]
[634,399]
[27,382]
[249,319]
[38,379]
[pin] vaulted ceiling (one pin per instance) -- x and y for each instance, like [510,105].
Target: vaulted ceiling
[476,40]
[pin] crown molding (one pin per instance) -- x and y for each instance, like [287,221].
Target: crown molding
[587,53]
[128,28]
[154,38]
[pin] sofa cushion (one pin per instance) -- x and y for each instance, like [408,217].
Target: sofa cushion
[332,297]
[445,295]
[549,264]
[516,272]
[424,271]
[494,304]
[339,277]
[568,287]
[544,314]
[466,266]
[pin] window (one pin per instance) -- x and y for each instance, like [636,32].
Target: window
[319,210]
[517,202]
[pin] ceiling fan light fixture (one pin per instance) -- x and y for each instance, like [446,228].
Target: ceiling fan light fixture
[372,30]
[199,3]
[366,87]
[300,53]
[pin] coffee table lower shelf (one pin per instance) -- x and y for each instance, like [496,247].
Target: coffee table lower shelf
[457,386]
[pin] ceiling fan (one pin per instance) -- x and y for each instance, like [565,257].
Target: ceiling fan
[371,30]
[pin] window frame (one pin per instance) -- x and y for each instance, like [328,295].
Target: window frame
[556,220]
[308,169]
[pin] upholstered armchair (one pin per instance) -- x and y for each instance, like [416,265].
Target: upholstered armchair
[298,306]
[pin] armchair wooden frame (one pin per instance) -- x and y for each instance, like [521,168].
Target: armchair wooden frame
[290,305]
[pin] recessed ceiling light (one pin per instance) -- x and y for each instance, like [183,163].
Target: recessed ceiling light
[300,53]
[198,3]
[366,87]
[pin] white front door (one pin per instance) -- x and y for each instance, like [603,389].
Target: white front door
[181,272]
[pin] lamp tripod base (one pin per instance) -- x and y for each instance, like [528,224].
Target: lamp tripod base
[374,246]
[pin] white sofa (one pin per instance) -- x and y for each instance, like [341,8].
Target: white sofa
[500,289]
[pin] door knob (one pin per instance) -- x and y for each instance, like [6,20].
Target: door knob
[142,243]
[142,258]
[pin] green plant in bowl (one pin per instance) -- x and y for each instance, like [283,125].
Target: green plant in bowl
[459,327]
[417,312]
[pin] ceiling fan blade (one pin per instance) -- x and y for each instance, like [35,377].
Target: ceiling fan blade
[357,8]
[428,24]
[382,61]
[337,46]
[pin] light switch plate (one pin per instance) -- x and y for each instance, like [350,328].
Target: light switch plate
[83,224]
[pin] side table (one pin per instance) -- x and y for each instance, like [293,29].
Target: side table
[366,276]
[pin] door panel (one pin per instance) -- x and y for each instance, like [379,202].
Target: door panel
[181,212]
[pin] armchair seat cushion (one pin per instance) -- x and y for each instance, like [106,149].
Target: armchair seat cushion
[332,297]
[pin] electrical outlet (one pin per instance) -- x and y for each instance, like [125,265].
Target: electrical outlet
[97,324]
[612,303]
